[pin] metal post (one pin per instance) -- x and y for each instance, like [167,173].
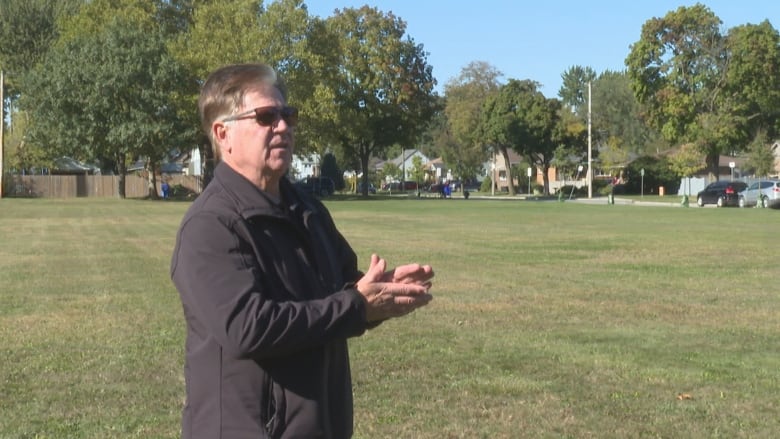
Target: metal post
[493,175]
[590,164]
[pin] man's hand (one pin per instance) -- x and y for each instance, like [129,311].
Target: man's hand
[396,292]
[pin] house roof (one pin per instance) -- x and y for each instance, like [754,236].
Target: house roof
[69,165]
[724,160]
[437,163]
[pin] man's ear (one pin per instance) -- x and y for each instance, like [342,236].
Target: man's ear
[220,133]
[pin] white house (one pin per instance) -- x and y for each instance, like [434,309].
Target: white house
[405,161]
[305,166]
[195,166]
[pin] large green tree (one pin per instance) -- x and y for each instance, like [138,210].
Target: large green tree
[28,28]
[108,95]
[461,147]
[617,117]
[753,80]
[519,117]
[574,89]
[677,71]
[218,33]
[304,52]
[384,90]
[281,34]
[760,160]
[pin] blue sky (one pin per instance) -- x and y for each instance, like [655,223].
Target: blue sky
[538,40]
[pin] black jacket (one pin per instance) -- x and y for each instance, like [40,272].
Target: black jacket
[265,293]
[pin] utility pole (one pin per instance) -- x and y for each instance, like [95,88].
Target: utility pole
[590,159]
[2,126]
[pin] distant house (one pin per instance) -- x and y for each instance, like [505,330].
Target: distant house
[181,163]
[436,169]
[195,164]
[776,153]
[498,169]
[305,165]
[405,162]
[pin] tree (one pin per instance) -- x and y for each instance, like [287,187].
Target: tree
[392,170]
[574,89]
[611,155]
[677,71]
[686,161]
[384,90]
[617,116]
[108,95]
[658,172]
[753,79]
[760,159]
[28,28]
[21,154]
[572,149]
[417,172]
[220,33]
[460,147]
[519,117]
[330,169]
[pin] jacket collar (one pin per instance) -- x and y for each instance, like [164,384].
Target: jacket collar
[249,199]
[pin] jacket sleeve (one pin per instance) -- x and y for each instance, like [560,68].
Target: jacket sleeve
[222,297]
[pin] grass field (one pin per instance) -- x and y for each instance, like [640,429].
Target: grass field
[550,320]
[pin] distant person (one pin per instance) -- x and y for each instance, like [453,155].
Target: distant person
[165,190]
[270,289]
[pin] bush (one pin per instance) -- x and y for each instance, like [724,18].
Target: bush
[578,192]
[486,185]
[657,173]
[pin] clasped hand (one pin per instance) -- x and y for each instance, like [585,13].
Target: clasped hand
[393,293]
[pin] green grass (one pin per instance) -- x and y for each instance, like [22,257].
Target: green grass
[557,320]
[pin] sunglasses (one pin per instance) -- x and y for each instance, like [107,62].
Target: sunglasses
[268,116]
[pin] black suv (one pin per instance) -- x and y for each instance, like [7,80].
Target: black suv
[321,186]
[721,193]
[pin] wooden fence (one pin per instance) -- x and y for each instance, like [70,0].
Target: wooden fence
[71,186]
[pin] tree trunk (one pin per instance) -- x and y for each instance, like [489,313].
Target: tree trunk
[365,155]
[122,171]
[712,165]
[509,179]
[546,178]
[151,179]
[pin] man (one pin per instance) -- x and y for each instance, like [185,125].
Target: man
[270,289]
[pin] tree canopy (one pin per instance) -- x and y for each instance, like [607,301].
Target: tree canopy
[107,96]
[700,86]
[519,117]
[384,88]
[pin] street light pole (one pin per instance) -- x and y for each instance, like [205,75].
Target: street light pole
[493,183]
[590,160]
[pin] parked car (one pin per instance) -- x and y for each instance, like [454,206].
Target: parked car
[721,193]
[768,194]
[321,186]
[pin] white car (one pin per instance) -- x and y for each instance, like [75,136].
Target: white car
[766,192]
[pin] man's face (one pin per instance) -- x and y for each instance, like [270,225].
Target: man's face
[260,153]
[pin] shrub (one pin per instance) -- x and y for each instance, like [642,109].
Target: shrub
[657,173]
[487,183]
